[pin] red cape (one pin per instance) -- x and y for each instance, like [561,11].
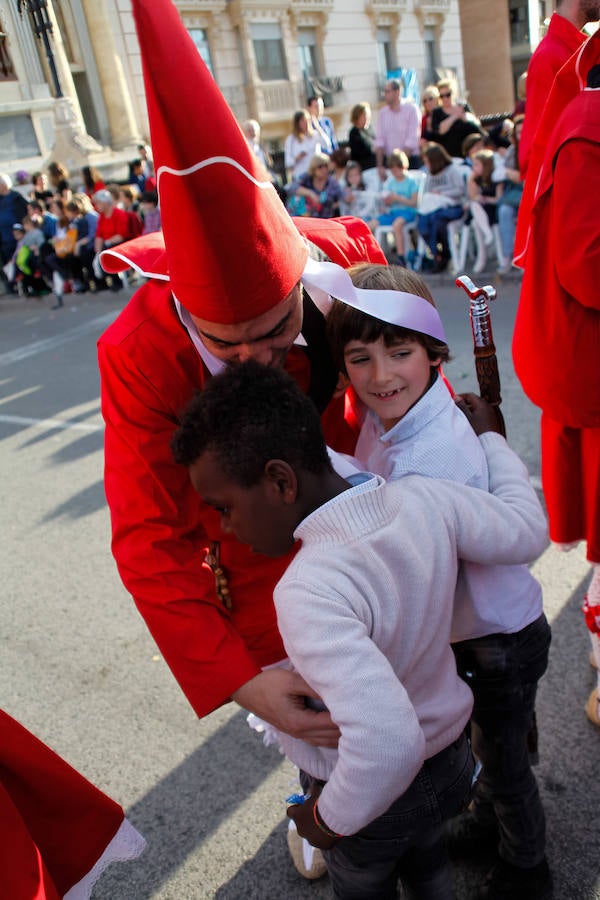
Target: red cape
[569,82]
[54,824]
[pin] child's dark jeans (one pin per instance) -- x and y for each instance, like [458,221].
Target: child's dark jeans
[407,840]
[503,671]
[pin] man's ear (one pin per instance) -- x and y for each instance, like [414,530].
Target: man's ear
[282,480]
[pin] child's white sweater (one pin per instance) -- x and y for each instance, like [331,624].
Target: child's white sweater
[435,439]
[365,610]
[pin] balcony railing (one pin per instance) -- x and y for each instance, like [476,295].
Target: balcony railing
[312,5]
[276,98]
[383,6]
[266,101]
[432,6]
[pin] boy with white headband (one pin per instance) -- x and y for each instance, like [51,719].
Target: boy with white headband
[387,339]
[365,611]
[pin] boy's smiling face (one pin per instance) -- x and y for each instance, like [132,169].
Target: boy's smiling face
[389,379]
[258,515]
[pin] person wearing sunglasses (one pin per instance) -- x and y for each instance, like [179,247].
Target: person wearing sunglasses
[452,121]
[429,101]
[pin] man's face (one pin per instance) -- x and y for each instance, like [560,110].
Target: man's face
[256,515]
[391,95]
[266,339]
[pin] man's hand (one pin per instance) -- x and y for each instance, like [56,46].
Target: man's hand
[482,415]
[278,696]
[303,816]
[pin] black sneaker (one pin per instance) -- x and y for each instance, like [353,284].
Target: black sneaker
[466,838]
[508,882]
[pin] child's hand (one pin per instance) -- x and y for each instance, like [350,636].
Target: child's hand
[482,415]
[304,817]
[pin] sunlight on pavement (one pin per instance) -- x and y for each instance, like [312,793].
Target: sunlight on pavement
[560,575]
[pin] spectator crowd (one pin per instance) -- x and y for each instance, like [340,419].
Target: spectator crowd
[53,225]
[408,177]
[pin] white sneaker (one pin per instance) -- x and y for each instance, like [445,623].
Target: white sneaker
[307,859]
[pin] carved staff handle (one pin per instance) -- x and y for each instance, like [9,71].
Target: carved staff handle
[484,349]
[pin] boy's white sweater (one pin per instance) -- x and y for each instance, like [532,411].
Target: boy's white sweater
[365,610]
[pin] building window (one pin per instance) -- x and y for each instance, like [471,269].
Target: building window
[309,57]
[386,54]
[17,138]
[268,51]
[519,22]
[432,55]
[200,39]
[7,70]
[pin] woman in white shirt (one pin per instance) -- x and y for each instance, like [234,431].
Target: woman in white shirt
[300,146]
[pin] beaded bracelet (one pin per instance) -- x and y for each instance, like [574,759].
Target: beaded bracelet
[321,824]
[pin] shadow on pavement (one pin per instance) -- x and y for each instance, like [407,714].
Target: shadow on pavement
[187,807]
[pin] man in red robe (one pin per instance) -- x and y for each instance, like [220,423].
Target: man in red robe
[225,286]
[562,39]
[557,328]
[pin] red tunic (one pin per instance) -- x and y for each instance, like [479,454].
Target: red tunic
[557,330]
[149,371]
[54,824]
[561,41]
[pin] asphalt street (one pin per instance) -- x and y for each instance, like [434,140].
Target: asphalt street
[79,668]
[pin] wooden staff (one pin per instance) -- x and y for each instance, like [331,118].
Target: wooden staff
[486,362]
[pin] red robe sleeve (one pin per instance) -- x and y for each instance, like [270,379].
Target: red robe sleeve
[160,530]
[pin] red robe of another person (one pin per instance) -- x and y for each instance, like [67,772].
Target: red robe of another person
[160,529]
[561,40]
[557,330]
[54,824]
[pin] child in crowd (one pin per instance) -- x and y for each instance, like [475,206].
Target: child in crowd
[13,276]
[443,200]
[37,211]
[129,199]
[356,199]
[482,188]
[28,260]
[136,174]
[483,192]
[150,212]
[499,632]
[346,609]
[404,212]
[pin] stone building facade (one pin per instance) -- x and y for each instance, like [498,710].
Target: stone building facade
[266,56]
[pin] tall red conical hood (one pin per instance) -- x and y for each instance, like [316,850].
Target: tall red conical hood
[233,251]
